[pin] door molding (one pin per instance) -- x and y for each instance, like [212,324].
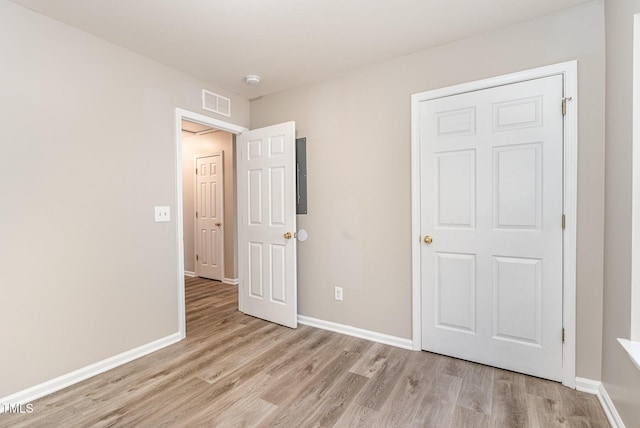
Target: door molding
[195,209]
[214,123]
[569,71]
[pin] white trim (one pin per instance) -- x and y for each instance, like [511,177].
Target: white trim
[196,235]
[373,336]
[609,408]
[231,281]
[60,382]
[589,386]
[189,274]
[597,388]
[214,123]
[635,201]
[633,349]
[569,251]
[416,232]
[208,121]
[569,71]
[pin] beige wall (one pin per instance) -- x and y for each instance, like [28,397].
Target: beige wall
[358,149]
[86,151]
[193,145]
[621,378]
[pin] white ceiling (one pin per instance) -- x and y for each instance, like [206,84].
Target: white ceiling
[287,42]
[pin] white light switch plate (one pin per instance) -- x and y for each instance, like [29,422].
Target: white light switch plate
[163,214]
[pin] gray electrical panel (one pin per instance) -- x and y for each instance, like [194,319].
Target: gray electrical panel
[301,179]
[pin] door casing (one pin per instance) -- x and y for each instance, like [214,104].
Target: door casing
[569,71]
[181,114]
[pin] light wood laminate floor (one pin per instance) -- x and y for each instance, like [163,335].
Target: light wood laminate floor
[237,371]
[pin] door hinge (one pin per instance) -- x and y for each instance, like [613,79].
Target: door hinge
[564,105]
[564,221]
[196,171]
[198,259]
[197,216]
[562,334]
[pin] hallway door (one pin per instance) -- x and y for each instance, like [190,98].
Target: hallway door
[209,217]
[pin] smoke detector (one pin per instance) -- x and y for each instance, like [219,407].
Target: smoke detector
[252,79]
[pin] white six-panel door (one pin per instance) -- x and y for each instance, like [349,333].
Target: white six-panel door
[266,174]
[491,178]
[209,215]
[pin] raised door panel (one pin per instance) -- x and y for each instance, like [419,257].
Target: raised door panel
[456,123]
[277,192]
[517,299]
[515,114]
[517,171]
[255,197]
[277,146]
[456,291]
[277,279]
[456,189]
[256,269]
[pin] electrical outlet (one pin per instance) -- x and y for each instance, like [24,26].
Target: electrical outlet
[338,293]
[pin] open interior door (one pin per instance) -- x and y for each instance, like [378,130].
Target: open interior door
[266,177]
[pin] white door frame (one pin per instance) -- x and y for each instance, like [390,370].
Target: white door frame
[181,114]
[569,71]
[195,209]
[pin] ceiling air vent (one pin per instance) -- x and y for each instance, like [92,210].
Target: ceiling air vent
[216,103]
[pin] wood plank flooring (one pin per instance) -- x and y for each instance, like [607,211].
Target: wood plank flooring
[237,371]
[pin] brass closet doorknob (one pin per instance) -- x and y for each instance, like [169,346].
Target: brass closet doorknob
[287,235]
[428,239]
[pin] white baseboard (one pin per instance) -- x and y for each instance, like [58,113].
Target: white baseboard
[231,281]
[597,388]
[587,385]
[609,408]
[189,274]
[60,382]
[357,332]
